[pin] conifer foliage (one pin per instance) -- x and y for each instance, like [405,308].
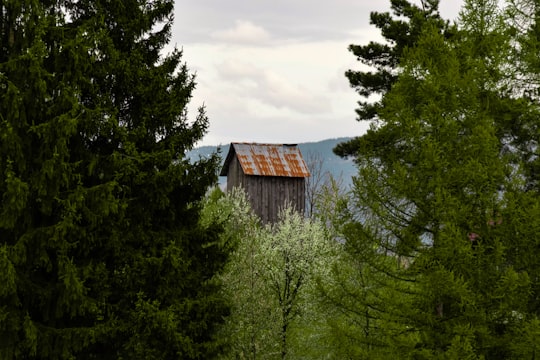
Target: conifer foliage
[446,200]
[101,254]
[401,29]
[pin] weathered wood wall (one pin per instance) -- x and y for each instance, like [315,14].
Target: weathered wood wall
[235,175]
[268,194]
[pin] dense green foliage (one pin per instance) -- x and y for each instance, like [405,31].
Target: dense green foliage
[443,226]
[271,280]
[102,254]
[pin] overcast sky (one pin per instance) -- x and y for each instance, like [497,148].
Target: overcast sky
[272,70]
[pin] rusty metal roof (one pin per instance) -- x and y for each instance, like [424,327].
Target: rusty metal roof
[267,160]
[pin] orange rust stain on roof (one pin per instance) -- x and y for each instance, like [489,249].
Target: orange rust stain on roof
[268,160]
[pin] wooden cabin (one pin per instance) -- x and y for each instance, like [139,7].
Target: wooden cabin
[272,175]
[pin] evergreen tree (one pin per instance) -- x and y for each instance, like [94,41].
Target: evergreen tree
[521,131]
[444,221]
[101,250]
[400,30]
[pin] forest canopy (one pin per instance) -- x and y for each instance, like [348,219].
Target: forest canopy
[114,245]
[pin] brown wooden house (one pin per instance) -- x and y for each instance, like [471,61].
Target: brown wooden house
[272,175]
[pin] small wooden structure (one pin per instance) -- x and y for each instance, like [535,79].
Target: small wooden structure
[272,175]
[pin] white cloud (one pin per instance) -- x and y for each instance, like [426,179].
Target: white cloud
[271,88]
[273,94]
[244,32]
[232,69]
[272,71]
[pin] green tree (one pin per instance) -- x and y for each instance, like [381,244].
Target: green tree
[437,221]
[362,296]
[250,329]
[294,252]
[522,135]
[401,30]
[270,279]
[101,250]
[522,129]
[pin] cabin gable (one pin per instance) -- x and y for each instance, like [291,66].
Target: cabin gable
[271,175]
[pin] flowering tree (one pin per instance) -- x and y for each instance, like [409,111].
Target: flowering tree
[293,253]
[248,329]
[269,277]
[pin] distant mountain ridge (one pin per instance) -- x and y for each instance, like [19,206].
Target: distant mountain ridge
[339,168]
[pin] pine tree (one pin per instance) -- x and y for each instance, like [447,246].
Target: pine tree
[400,30]
[442,193]
[102,254]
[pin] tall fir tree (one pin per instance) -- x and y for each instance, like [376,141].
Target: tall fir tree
[101,252]
[445,220]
